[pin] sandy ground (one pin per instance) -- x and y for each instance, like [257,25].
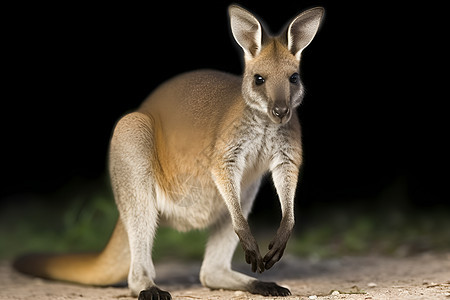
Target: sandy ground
[421,277]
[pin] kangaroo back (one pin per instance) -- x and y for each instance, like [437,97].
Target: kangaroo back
[105,268]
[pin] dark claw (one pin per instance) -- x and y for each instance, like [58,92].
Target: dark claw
[276,251]
[154,293]
[271,258]
[251,250]
[255,260]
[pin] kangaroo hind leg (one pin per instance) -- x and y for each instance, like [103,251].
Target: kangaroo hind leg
[132,169]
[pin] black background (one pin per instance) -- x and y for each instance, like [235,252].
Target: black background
[372,113]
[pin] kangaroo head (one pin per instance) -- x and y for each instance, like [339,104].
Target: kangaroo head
[271,82]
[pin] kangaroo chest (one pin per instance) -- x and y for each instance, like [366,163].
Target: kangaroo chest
[257,146]
[196,202]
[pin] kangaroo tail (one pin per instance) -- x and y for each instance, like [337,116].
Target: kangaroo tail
[105,268]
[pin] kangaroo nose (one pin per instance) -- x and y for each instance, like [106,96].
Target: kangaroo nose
[280,112]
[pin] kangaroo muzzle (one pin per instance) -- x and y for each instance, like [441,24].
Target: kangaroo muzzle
[280,113]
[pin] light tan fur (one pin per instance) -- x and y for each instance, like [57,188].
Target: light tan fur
[193,155]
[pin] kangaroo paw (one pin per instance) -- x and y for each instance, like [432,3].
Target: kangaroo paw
[154,293]
[268,289]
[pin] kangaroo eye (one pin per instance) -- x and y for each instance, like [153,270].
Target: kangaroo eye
[259,79]
[295,78]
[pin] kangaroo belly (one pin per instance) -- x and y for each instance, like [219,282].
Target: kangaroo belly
[190,204]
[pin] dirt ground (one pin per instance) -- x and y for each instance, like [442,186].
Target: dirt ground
[420,277]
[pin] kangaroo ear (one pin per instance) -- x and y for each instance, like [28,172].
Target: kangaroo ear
[302,30]
[246,29]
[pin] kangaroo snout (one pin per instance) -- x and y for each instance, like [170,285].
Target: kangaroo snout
[280,113]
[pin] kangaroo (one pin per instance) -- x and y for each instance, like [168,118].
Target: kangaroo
[192,156]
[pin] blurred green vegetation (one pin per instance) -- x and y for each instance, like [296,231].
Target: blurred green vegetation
[385,224]
[81,217]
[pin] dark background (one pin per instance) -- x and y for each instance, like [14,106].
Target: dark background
[372,115]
